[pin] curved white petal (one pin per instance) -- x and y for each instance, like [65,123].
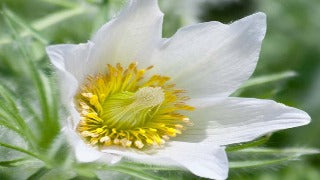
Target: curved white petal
[235,120]
[212,59]
[129,37]
[86,154]
[204,160]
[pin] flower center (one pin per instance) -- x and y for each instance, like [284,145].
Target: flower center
[126,110]
[121,108]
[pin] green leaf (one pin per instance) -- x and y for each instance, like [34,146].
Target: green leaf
[150,167]
[9,126]
[278,156]
[89,169]
[258,163]
[50,125]
[12,163]
[38,174]
[34,72]
[30,110]
[264,80]
[62,3]
[285,151]
[15,18]
[19,149]
[268,156]
[60,152]
[86,169]
[48,21]
[8,97]
[268,78]
[138,173]
[254,143]
[8,114]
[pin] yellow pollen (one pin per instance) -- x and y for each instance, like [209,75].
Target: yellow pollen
[124,108]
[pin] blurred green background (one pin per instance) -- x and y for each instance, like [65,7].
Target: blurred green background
[292,44]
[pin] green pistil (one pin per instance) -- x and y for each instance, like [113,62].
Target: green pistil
[127,110]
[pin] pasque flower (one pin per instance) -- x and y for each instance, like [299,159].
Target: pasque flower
[133,94]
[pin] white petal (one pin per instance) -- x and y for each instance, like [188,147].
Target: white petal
[235,120]
[129,37]
[70,62]
[86,154]
[212,59]
[204,160]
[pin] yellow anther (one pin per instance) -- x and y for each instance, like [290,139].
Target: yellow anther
[153,130]
[158,140]
[94,100]
[149,141]
[84,105]
[178,131]
[125,142]
[171,130]
[161,142]
[91,115]
[122,133]
[99,130]
[105,139]
[138,144]
[84,112]
[87,95]
[186,119]
[129,143]
[179,126]
[86,133]
[166,137]
[114,130]
[142,131]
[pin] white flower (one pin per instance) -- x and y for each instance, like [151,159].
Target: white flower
[112,117]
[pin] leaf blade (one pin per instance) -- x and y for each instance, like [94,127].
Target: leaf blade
[19,149]
[47,21]
[15,18]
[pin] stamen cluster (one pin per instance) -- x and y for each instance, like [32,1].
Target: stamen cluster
[122,108]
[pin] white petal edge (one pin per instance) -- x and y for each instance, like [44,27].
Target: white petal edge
[212,59]
[235,120]
[86,153]
[70,61]
[131,36]
[204,160]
